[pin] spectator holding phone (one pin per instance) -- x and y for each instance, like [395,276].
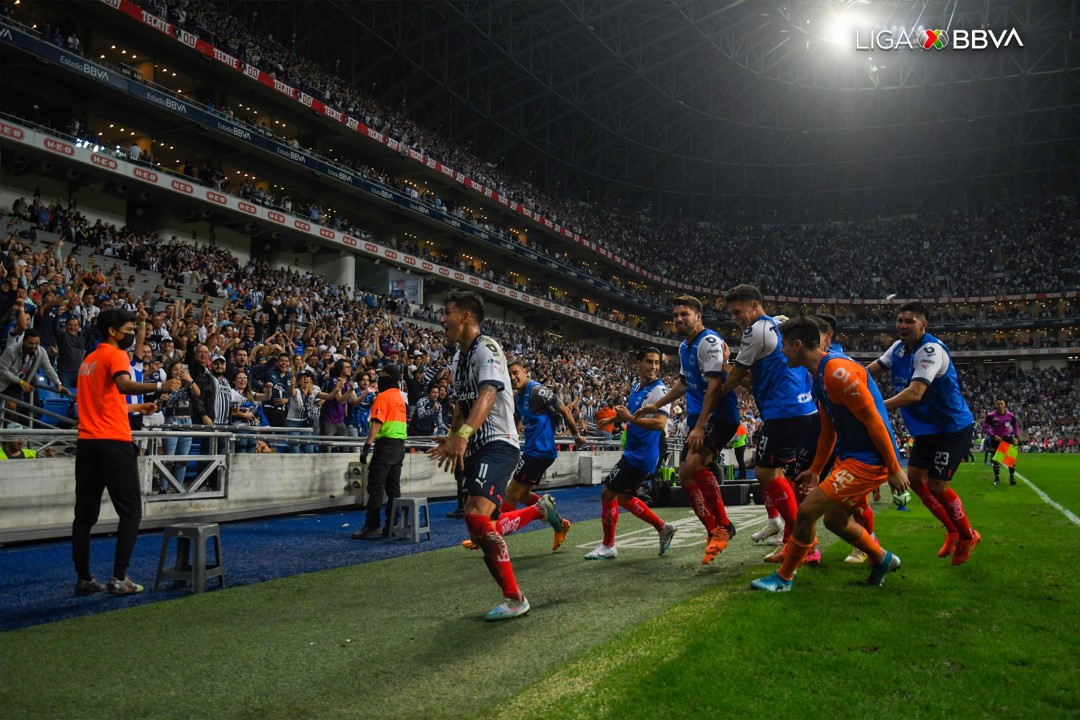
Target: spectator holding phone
[178,408]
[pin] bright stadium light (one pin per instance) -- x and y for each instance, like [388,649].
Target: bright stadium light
[842,29]
[844,25]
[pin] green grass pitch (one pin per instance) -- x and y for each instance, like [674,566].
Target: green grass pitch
[637,637]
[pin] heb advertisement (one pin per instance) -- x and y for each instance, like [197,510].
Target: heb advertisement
[104,161]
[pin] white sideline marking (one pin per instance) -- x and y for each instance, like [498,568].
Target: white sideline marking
[680,540]
[1069,514]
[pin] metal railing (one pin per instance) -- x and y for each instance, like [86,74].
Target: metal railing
[29,415]
[204,475]
[211,464]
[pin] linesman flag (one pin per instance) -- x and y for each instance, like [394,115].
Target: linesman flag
[1006,454]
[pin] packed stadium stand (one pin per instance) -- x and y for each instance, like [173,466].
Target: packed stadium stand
[247,192]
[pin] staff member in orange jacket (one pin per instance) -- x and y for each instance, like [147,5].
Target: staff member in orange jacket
[388,432]
[105,456]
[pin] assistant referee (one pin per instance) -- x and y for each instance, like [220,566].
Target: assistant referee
[105,456]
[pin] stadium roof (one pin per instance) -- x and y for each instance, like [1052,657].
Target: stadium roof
[725,109]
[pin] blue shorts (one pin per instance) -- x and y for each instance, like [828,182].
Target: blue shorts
[488,470]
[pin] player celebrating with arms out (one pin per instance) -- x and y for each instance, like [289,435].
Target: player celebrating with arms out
[783,397]
[938,418]
[639,459]
[484,443]
[712,419]
[855,424]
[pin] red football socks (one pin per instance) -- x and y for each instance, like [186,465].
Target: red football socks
[866,516]
[697,503]
[935,507]
[710,491]
[783,499]
[496,556]
[641,511]
[511,522]
[609,515]
[955,508]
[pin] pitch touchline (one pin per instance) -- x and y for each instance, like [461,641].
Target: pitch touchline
[677,523]
[1069,514]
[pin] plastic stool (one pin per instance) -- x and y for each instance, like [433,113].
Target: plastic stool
[191,565]
[405,518]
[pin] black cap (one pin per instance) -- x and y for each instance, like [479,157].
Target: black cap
[392,371]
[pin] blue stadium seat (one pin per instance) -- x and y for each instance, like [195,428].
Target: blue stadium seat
[56,404]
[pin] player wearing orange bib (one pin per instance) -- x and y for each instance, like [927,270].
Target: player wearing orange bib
[855,423]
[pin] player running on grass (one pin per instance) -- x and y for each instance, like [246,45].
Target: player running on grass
[639,459]
[537,407]
[938,418]
[855,424]
[712,419]
[863,513]
[484,443]
[783,398]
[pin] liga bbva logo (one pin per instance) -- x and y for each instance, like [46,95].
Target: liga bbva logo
[937,39]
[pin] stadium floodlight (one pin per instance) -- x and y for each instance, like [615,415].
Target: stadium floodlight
[845,23]
[842,28]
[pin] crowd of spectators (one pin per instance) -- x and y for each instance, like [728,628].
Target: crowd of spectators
[271,326]
[1015,246]
[1046,401]
[972,255]
[296,346]
[277,326]
[1025,338]
[458,258]
[1011,247]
